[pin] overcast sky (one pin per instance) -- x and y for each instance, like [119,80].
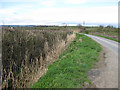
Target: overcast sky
[41,12]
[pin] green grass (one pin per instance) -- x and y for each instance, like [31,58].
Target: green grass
[107,37]
[70,71]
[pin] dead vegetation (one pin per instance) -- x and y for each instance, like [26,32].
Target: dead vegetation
[26,54]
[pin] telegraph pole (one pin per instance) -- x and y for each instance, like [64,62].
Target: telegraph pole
[84,25]
[83,22]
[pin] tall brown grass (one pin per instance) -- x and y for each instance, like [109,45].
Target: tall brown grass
[26,54]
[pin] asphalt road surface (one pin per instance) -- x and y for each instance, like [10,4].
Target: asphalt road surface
[108,75]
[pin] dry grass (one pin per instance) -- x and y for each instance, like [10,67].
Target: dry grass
[26,54]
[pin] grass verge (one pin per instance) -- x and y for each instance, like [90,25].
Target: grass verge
[107,37]
[70,71]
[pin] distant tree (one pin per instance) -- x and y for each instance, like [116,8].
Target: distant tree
[100,28]
[109,26]
[64,25]
[80,26]
[82,29]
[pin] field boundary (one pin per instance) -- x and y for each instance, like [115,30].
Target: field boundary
[70,70]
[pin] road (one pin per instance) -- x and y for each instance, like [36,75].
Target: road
[107,75]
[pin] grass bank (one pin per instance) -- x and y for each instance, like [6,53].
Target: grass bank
[70,71]
[107,37]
